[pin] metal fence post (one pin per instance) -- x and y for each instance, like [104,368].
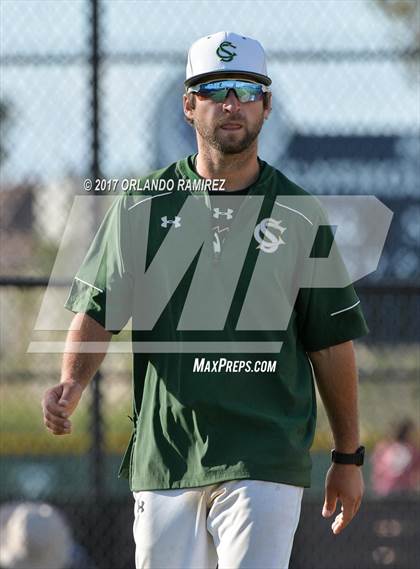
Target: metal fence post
[97,462]
[96,455]
[97,450]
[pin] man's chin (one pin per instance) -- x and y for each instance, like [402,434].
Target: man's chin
[233,149]
[235,141]
[233,146]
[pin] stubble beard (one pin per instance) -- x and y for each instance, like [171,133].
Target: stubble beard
[230,144]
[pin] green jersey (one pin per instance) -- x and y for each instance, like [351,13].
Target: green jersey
[223,387]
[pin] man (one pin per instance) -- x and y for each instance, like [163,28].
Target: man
[219,454]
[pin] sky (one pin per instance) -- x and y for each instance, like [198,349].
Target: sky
[48,135]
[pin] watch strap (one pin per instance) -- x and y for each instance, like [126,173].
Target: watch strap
[356,458]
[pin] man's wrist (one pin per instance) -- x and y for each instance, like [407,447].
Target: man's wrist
[355,458]
[73,382]
[347,448]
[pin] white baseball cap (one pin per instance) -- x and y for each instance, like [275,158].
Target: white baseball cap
[226,52]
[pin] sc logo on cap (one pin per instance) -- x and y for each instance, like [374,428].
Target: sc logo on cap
[222,50]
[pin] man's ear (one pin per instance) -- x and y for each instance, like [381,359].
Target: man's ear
[188,109]
[268,105]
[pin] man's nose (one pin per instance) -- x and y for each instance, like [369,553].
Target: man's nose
[231,103]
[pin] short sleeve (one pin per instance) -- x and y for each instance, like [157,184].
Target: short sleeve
[328,316]
[103,285]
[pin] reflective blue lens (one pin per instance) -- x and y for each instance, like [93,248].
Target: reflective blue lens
[217,91]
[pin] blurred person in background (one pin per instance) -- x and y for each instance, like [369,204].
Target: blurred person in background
[35,535]
[396,461]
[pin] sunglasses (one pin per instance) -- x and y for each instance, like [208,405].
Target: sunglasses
[217,91]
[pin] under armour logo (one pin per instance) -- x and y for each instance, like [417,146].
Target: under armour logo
[140,506]
[165,221]
[268,242]
[217,213]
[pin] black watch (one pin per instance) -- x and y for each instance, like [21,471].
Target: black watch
[349,458]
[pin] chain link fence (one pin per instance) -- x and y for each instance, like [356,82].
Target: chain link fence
[92,89]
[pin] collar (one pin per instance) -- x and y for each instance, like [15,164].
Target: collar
[187,170]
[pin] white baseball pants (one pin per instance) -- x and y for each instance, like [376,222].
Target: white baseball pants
[240,524]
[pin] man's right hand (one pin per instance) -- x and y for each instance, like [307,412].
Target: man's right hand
[58,404]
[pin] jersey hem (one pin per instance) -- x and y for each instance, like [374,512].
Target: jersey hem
[292,477]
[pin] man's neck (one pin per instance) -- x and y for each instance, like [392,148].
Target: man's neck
[239,170]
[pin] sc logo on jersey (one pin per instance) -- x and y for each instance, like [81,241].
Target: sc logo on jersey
[268,241]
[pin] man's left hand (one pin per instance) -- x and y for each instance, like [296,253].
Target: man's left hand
[344,482]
